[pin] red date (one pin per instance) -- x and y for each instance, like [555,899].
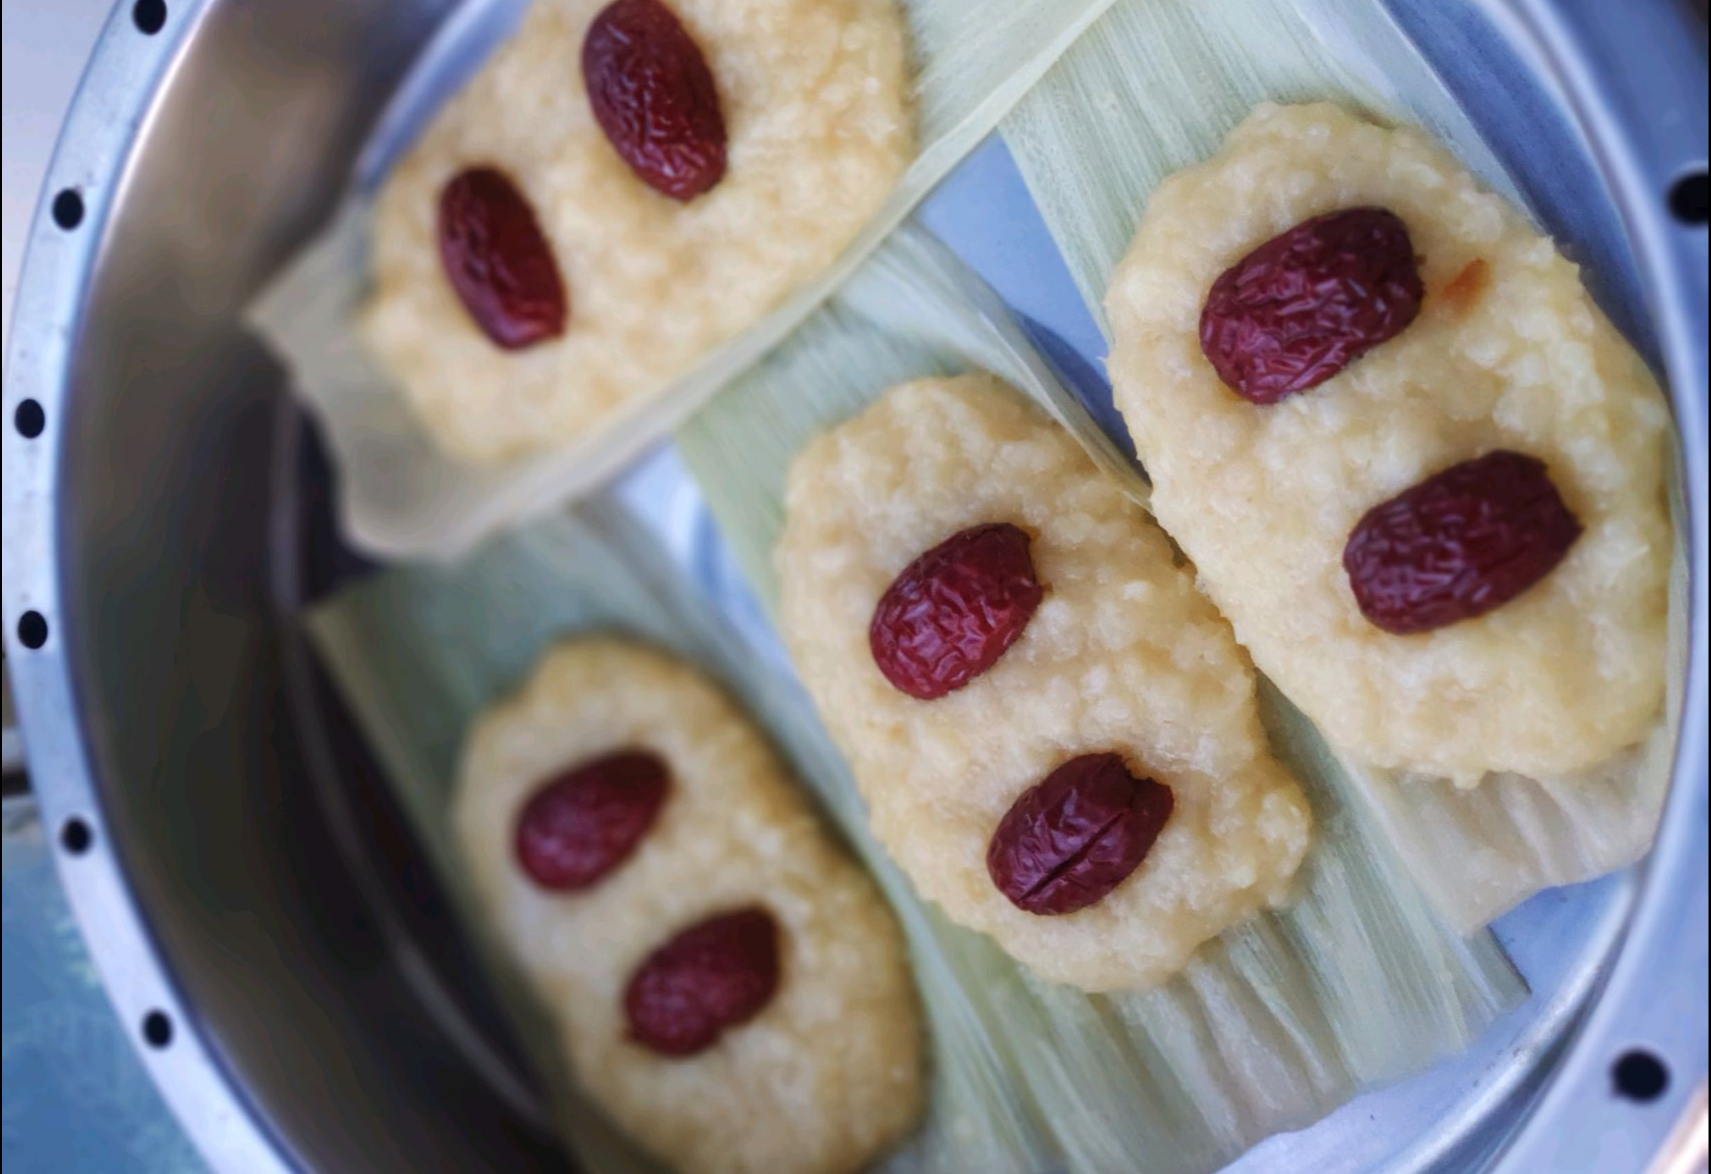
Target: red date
[498,261]
[1459,544]
[1076,835]
[653,95]
[711,977]
[1308,302]
[581,825]
[953,611]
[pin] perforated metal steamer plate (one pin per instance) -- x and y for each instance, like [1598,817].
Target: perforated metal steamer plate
[1618,967]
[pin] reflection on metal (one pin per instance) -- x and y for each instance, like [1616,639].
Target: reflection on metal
[293,951]
[1687,1150]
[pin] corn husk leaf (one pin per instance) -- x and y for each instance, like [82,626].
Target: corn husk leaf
[400,496]
[1278,1021]
[1154,87]
[418,653]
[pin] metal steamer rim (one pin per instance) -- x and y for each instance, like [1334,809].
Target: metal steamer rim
[1630,1070]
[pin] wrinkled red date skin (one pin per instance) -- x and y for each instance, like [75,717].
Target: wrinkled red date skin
[653,95]
[711,977]
[498,261]
[1308,302]
[585,822]
[1459,544]
[1074,836]
[954,610]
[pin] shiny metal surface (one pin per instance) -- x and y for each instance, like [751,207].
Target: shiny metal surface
[43,50]
[1636,78]
[137,527]
[247,877]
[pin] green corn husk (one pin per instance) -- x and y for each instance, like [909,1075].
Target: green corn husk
[1271,1026]
[417,654]
[1154,87]
[401,496]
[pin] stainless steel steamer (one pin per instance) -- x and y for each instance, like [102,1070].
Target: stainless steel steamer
[239,870]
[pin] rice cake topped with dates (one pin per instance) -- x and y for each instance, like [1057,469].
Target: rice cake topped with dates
[649,268]
[1120,660]
[827,1074]
[1502,370]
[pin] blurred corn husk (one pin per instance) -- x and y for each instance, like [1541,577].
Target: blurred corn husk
[401,496]
[1270,1027]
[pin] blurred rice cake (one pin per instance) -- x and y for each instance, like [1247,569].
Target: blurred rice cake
[730,987]
[621,188]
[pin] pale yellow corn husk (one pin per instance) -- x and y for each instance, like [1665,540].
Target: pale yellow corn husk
[401,496]
[1154,87]
[418,653]
[1272,1025]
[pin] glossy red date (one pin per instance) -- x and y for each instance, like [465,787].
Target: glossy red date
[709,978]
[653,95]
[1459,544]
[498,261]
[581,825]
[1076,835]
[954,611]
[1307,303]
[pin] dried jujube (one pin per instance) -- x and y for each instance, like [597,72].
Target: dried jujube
[1308,302]
[1459,544]
[709,978]
[653,95]
[581,825]
[952,612]
[1077,834]
[498,261]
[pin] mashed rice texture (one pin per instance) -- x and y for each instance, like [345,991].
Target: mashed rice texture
[828,1076]
[815,95]
[1123,655]
[1508,352]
